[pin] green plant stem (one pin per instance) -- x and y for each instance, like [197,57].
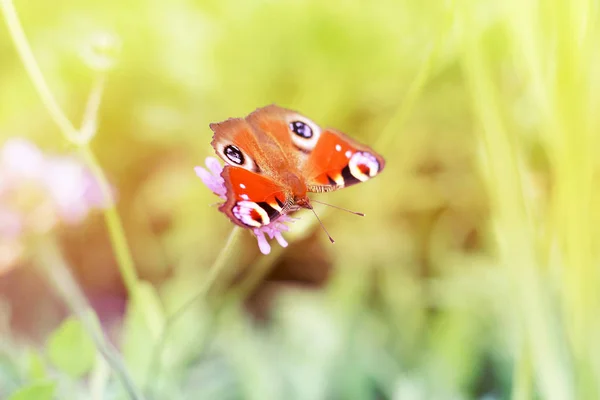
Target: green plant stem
[215,272]
[113,223]
[35,74]
[79,138]
[89,123]
[220,266]
[256,274]
[58,273]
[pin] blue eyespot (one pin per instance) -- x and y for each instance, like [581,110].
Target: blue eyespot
[301,129]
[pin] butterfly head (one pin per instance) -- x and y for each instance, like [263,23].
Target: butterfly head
[298,190]
[303,202]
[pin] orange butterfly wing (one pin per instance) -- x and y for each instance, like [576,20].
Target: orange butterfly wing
[338,161]
[252,199]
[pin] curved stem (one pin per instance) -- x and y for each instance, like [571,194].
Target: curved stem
[113,223]
[215,272]
[219,267]
[58,273]
[257,273]
[89,123]
[35,74]
[417,85]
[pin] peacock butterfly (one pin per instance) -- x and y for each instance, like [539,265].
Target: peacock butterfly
[277,156]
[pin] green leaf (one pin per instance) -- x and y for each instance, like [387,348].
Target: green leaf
[36,391]
[71,349]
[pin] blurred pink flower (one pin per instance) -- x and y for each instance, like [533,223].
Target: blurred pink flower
[73,189]
[211,176]
[37,191]
[10,224]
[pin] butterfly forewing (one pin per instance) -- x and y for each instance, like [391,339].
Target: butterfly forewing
[236,143]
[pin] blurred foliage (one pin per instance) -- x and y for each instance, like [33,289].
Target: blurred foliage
[473,275]
[71,349]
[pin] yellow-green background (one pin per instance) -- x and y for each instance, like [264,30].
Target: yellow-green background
[474,272]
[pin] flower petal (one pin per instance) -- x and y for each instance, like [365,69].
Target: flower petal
[21,157]
[279,237]
[214,184]
[214,166]
[212,177]
[65,181]
[263,244]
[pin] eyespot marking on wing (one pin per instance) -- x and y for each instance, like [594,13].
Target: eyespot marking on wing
[304,132]
[253,214]
[361,167]
[233,155]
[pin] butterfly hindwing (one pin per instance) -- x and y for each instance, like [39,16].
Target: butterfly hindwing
[338,161]
[252,199]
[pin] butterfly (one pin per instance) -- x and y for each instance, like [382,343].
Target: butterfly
[276,156]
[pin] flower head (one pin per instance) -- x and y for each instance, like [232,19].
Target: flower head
[211,176]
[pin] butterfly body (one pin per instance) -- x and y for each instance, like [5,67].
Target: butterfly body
[276,157]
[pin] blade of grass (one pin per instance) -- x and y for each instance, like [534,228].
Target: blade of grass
[513,226]
[555,43]
[389,132]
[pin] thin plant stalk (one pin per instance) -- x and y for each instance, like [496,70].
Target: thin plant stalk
[219,269]
[58,273]
[113,222]
[79,138]
[35,74]
[417,85]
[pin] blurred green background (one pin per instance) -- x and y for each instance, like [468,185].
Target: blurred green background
[473,275]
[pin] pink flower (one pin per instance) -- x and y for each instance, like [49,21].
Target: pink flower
[10,224]
[37,191]
[72,188]
[273,230]
[211,176]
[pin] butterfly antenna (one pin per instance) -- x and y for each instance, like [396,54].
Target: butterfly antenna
[339,208]
[322,226]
